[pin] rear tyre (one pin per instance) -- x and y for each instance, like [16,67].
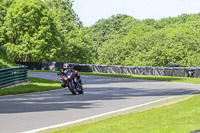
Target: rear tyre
[80,91]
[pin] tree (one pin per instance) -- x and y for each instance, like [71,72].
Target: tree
[111,52]
[2,15]
[75,42]
[149,21]
[108,32]
[76,48]
[31,33]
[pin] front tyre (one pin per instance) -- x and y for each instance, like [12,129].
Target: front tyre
[71,88]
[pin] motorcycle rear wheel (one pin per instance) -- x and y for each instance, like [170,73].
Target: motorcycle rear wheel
[80,87]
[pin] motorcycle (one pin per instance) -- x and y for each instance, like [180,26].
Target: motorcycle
[72,81]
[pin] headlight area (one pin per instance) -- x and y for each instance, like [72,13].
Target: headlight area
[67,78]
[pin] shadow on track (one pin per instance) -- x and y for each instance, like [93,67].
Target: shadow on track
[63,100]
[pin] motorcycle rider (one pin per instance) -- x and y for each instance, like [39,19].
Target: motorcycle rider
[66,68]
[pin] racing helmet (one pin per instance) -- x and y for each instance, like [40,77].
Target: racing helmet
[65,66]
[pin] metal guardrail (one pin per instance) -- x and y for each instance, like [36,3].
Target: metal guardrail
[13,75]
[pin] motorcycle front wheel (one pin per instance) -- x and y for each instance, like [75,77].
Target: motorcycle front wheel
[71,88]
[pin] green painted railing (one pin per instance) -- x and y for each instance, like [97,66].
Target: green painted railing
[13,75]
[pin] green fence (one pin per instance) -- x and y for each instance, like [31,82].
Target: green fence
[13,75]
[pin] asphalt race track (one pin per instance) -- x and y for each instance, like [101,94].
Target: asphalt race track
[25,112]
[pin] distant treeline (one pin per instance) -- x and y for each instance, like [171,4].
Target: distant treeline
[124,40]
[50,30]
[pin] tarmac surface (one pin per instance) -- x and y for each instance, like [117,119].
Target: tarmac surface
[25,112]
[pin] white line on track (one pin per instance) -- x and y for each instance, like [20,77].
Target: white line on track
[96,116]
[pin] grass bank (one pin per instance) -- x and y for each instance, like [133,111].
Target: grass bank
[36,85]
[182,117]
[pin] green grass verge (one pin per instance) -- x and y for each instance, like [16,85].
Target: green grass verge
[148,77]
[37,85]
[182,117]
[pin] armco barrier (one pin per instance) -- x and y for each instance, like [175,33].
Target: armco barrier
[139,70]
[54,66]
[13,75]
[32,65]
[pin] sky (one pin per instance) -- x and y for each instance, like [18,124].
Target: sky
[90,11]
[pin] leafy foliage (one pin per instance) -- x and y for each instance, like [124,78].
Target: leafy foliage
[107,33]
[50,30]
[2,15]
[5,61]
[30,31]
[75,42]
[147,42]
